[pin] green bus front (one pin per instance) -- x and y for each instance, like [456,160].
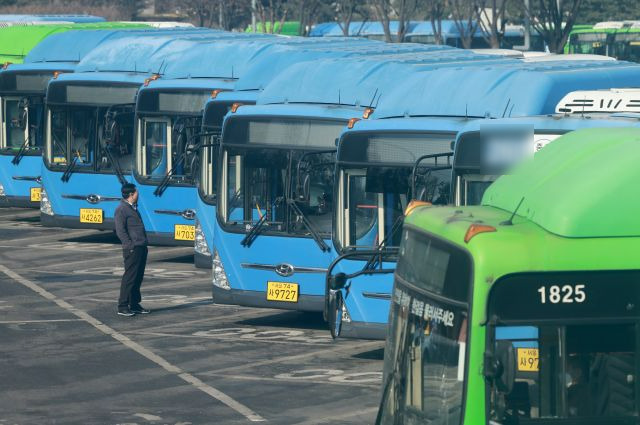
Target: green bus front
[474,339]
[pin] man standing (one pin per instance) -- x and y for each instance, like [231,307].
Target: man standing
[130,231]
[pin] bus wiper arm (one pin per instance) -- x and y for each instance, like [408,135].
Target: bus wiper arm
[69,170]
[18,156]
[376,259]
[314,233]
[257,228]
[116,166]
[167,178]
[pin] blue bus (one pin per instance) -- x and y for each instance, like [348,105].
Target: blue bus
[90,126]
[174,214]
[169,127]
[372,193]
[276,162]
[22,91]
[245,92]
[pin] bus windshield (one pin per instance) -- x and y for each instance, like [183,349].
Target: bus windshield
[168,144]
[93,137]
[280,171]
[22,124]
[169,127]
[474,169]
[212,130]
[594,43]
[424,365]
[576,355]
[626,46]
[375,183]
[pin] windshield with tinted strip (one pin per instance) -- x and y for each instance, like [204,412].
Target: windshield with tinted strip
[268,164]
[94,137]
[375,183]
[22,124]
[575,342]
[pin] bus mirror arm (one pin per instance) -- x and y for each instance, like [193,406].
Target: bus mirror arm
[339,280]
[500,366]
[430,169]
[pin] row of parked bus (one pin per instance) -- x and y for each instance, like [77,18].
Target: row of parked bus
[291,164]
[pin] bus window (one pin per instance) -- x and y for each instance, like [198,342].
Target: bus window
[575,341]
[155,144]
[573,371]
[426,348]
[626,46]
[15,123]
[115,142]
[207,182]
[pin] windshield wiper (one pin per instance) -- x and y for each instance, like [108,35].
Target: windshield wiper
[314,233]
[253,233]
[18,156]
[69,170]
[164,183]
[376,259]
[116,165]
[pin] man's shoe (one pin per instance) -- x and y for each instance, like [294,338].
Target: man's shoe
[125,312]
[140,310]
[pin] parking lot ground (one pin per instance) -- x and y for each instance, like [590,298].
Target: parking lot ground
[67,358]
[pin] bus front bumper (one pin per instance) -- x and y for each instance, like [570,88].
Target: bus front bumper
[259,299]
[73,222]
[364,330]
[18,201]
[166,239]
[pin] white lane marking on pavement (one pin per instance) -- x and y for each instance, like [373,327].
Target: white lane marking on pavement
[12,322]
[333,419]
[229,338]
[148,417]
[150,355]
[360,348]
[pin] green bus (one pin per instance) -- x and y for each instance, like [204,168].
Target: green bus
[17,41]
[620,40]
[525,310]
[288,28]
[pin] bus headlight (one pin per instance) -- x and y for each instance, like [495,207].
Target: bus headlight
[200,245]
[2,192]
[219,276]
[45,204]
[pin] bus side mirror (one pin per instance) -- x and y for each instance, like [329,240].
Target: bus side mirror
[500,366]
[337,281]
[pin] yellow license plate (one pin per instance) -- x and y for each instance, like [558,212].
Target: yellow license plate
[90,215]
[184,232]
[281,291]
[528,359]
[35,193]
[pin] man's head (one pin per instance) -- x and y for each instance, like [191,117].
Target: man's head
[130,193]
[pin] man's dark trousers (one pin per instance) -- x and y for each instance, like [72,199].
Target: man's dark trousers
[135,261]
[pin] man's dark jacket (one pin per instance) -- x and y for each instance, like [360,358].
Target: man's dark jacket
[129,226]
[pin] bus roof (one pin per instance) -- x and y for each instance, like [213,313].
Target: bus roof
[517,89]
[69,46]
[17,41]
[281,58]
[360,80]
[143,52]
[551,185]
[233,58]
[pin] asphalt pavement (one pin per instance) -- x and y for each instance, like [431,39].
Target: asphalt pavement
[67,358]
